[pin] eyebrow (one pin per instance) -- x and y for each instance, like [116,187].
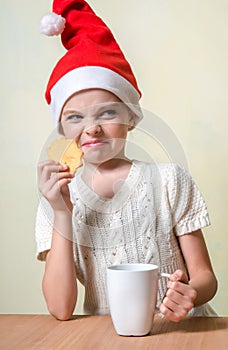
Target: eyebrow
[96,108]
[71,111]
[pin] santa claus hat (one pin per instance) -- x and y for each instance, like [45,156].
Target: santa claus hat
[93,60]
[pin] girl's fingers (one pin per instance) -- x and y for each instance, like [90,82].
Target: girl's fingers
[46,169]
[52,165]
[178,289]
[56,177]
[180,297]
[179,275]
[184,301]
[176,308]
[56,181]
[53,184]
[44,164]
[179,300]
[171,305]
[176,316]
[56,188]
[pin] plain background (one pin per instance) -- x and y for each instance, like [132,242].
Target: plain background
[178,50]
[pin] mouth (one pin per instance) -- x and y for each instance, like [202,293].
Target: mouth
[94,143]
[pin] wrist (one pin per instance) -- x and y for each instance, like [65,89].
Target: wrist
[63,223]
[62,214]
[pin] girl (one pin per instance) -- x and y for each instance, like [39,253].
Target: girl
[117,210]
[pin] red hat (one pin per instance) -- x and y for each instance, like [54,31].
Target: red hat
[93,60]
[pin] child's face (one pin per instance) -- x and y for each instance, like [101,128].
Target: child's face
[99,122]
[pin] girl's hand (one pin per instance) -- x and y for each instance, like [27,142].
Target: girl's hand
[179,299]
[53,180]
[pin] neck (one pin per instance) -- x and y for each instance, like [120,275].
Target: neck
[106,178]
[107,166]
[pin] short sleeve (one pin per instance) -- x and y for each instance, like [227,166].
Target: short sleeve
[189,211]
[43,228]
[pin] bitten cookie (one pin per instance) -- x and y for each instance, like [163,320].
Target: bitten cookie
[66,151]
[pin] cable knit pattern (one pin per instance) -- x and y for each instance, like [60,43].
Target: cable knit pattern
[139,224]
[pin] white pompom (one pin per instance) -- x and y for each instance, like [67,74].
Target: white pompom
[52,24]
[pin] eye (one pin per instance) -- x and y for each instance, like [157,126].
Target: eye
[76,118]
[108,114]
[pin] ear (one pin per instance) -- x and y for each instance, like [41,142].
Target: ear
[60,129]
[131,121]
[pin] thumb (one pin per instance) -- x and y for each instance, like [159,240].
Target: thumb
[179,275]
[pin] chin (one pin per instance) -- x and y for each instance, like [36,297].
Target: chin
[99,159]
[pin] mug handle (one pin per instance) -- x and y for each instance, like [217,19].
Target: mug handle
[160,275]
[164,274]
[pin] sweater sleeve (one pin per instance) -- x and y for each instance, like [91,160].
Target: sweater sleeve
[43,228]
[189,211]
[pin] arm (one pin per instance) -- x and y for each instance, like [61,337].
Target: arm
[59,281]
[201,275]
[182,293]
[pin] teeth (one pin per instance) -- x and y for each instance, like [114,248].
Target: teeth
[94,144]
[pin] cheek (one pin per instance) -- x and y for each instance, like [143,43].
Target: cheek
[70,131]
[116,131]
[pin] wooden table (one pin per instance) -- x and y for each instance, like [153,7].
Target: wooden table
[43,332]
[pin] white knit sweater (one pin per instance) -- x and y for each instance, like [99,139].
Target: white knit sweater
[139,224]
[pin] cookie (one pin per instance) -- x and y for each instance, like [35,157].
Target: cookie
[65,151]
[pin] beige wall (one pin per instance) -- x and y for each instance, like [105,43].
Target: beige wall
[179,52]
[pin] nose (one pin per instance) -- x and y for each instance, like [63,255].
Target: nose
[94,130]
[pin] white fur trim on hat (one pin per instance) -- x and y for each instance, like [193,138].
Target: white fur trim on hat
[92,77]
[52,24]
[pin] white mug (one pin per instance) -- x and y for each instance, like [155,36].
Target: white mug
[132,294]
